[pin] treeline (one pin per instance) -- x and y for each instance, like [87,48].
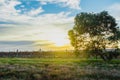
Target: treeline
[52,54]
[37,54]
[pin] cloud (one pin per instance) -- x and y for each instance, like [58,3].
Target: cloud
[73,4]
[115,11]
[14,45]
[44,44]
[35,12]
[29,27]
[8,7]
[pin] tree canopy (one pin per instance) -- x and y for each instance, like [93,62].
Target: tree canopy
[95,33]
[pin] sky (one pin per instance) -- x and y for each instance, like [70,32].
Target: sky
[30,25]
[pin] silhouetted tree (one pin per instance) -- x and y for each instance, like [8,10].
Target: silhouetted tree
[94,33]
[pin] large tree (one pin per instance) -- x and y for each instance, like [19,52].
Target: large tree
[95,33]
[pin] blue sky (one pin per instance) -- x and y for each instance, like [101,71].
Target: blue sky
[34,24]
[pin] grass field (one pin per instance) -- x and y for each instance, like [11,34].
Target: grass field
[58,69]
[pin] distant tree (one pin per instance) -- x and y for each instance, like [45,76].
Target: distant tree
[95,33]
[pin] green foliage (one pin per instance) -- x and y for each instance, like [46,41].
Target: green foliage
[95,32]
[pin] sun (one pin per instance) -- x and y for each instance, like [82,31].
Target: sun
[55,41]
[59,42]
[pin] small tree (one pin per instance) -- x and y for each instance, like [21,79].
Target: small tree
[95,33]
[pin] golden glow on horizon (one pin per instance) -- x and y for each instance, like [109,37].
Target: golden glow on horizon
[59,39]
[52,41]
[59,42]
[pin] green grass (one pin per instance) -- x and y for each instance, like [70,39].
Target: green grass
[58,69]
[36,60]
[54,60]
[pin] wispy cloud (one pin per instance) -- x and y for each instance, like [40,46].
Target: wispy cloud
[14,45]
[31,26]
[35,12]
[73,4]
[114,10]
